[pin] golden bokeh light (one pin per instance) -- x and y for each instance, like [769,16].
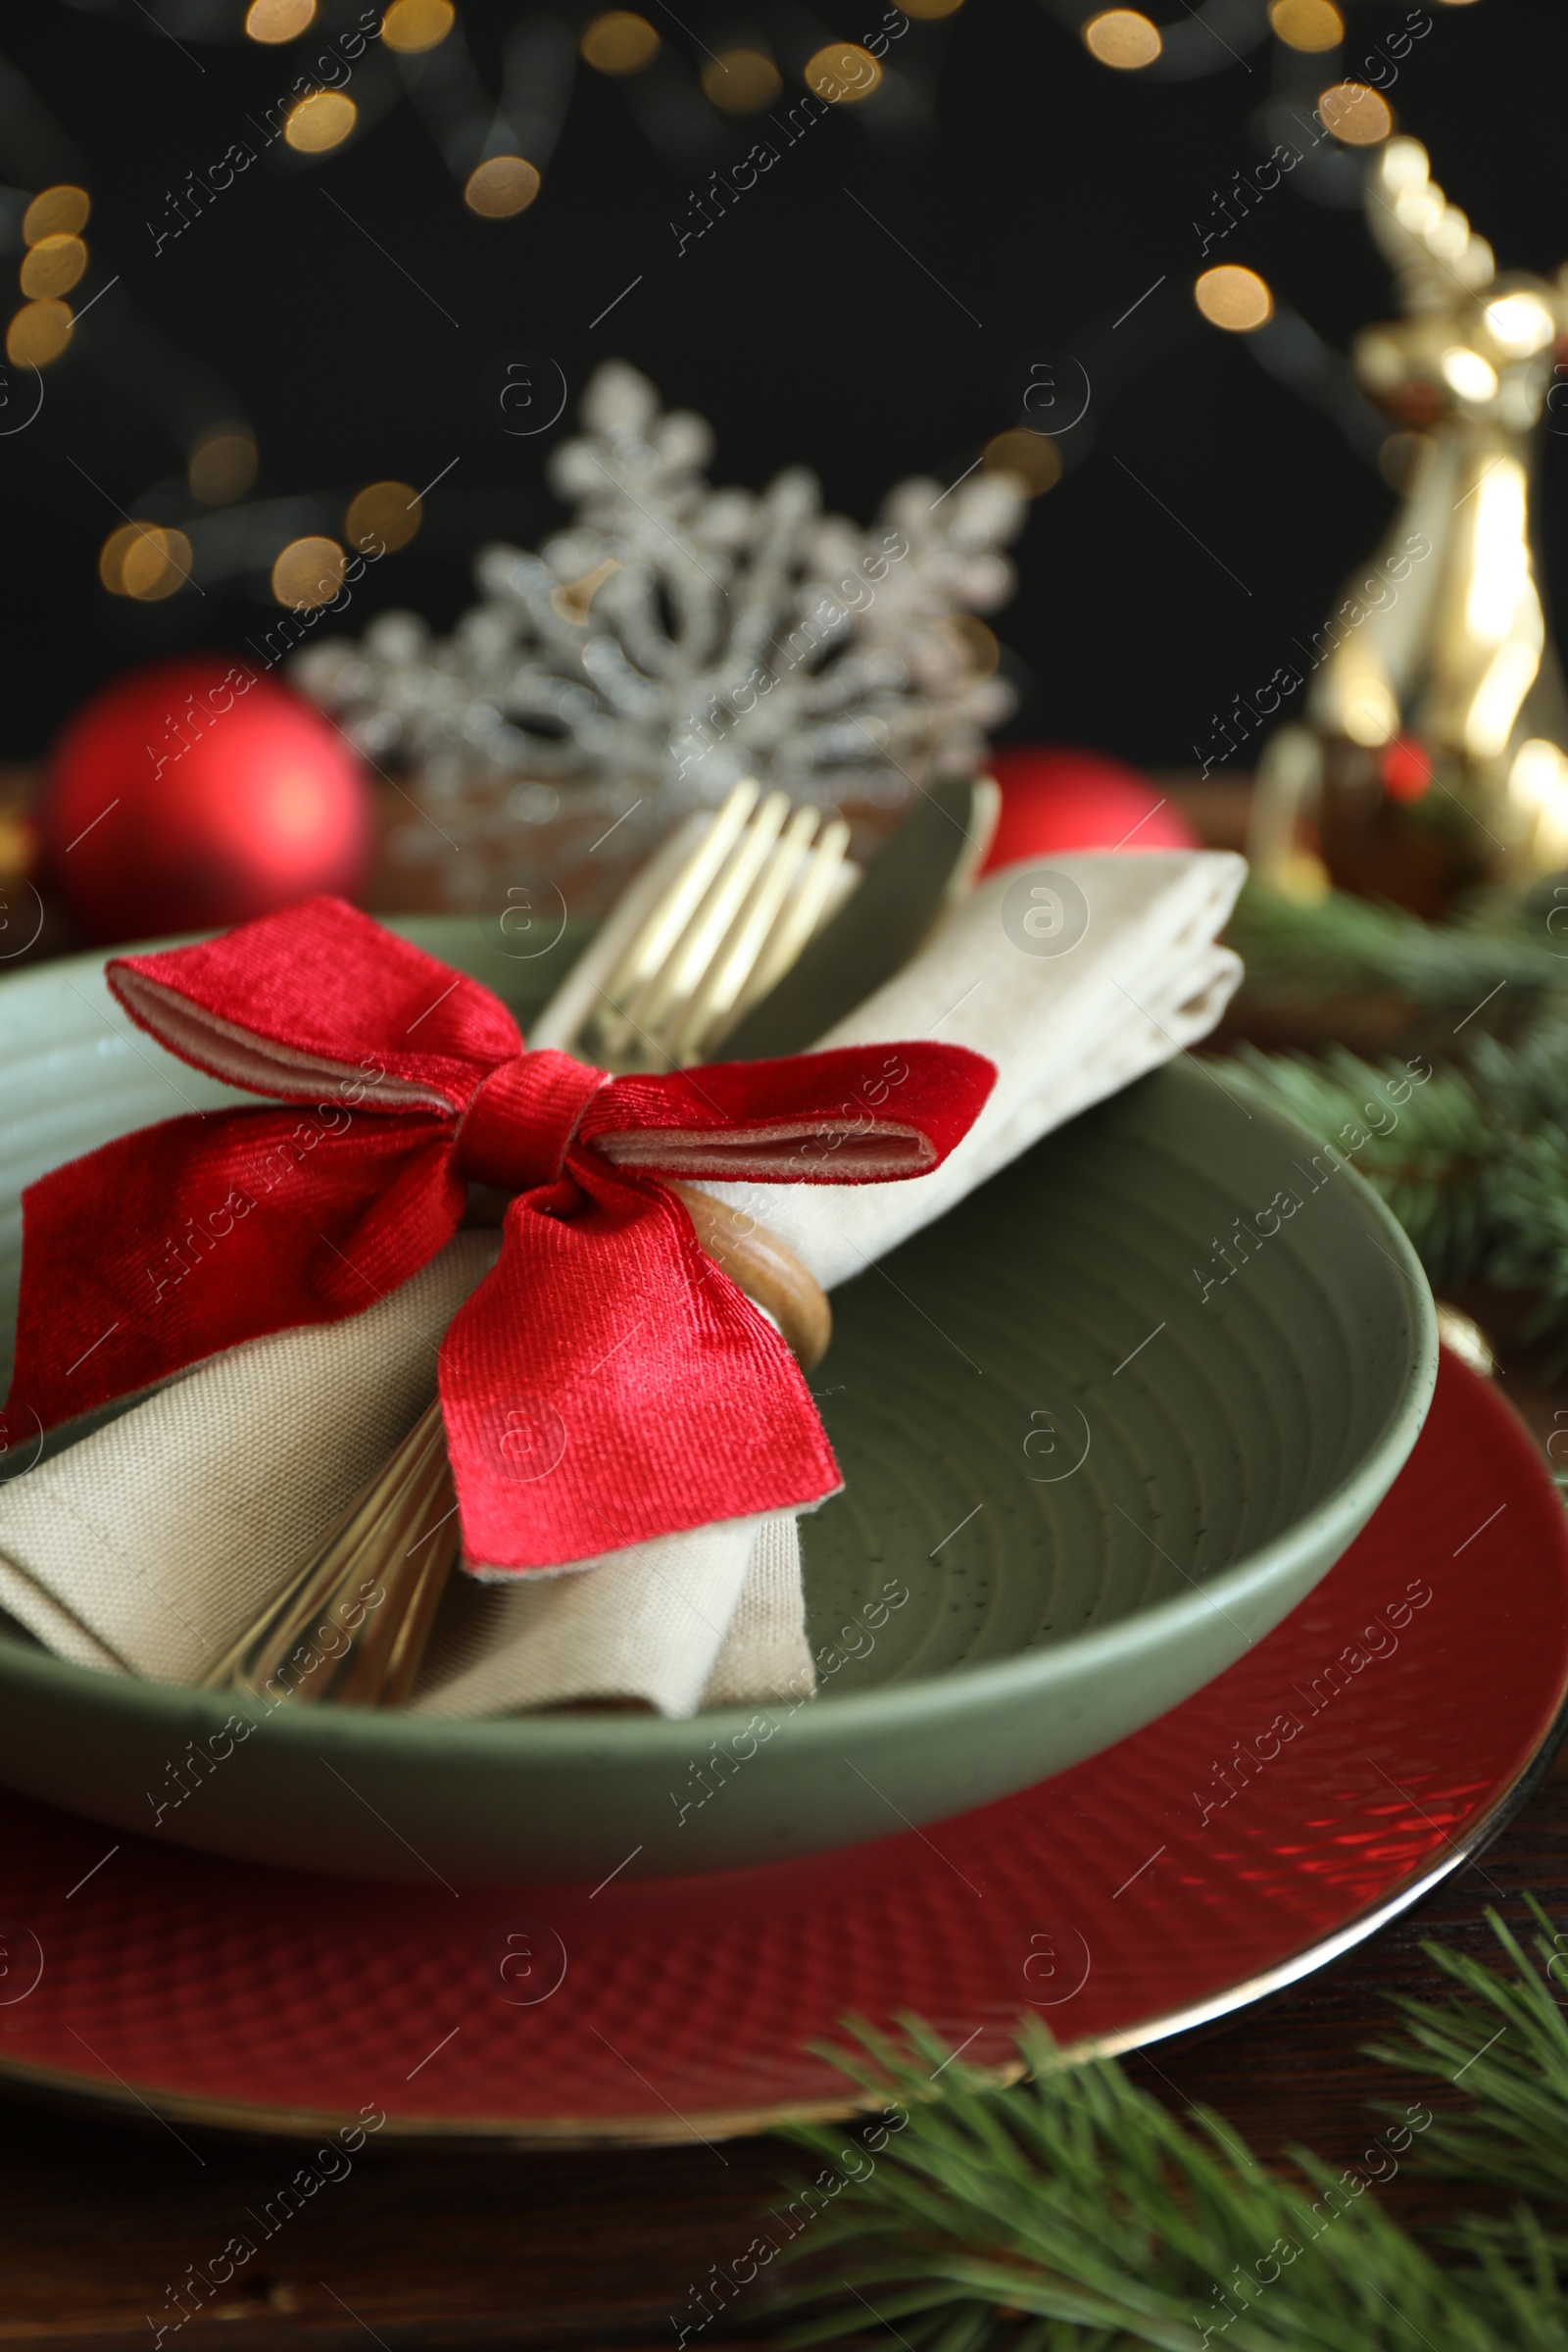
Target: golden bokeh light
[1308,23]
[157,564]
[741,81]
[1030,456]
[309,572]
[111,555]
[222,465]
[144,561]
[500,187]
[927,9]
[59,212]
[413,26]
[19,844]
[321,121]
[1467,372]
[383,517]
[1234,297]
[842,74]
[1352,112]
[38,334]
[273,21]
[619,42]
[53,265]
[1122,37]
[1520,322]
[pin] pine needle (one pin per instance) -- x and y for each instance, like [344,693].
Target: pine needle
[1073,2210]
[1475,1166]
[1348,946]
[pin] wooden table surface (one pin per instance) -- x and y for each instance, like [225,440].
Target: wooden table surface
[481,2245]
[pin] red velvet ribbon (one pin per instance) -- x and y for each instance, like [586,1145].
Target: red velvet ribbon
[606,1383]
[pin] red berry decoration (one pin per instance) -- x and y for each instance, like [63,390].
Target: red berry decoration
[197,793]
[1405,768]
[1055,798]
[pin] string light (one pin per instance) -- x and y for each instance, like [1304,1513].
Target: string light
[414,26]
[271,20]
[1030,456]
[1308,23]
[38,334]
[322,119]
[111,555]
[222,465]
[156,564]
[57,212]
[1234,297]
[55,259]
[53,265]
[1122,37]
[383,517]
[619,42]
[842,74]
[500,187]
[741,81]
[144,561]
[1354,114]
[309,572]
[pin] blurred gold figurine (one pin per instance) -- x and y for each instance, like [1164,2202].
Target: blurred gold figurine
[1432,750]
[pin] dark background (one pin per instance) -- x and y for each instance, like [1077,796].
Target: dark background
[1044,192]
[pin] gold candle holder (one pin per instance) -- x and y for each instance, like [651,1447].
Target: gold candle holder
[1433,750]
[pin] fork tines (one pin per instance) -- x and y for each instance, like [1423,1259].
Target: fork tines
[728,925]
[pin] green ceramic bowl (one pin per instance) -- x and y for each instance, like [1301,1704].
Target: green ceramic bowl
[1079,1483]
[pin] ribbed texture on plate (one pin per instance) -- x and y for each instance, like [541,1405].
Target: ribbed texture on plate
[1047,1454]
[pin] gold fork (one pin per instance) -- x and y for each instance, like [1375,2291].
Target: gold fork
[700,936]
[704,932]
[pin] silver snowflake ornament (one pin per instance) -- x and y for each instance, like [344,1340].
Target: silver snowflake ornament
[674,638]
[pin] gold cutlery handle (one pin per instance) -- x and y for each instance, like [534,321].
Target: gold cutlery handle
[350,1627]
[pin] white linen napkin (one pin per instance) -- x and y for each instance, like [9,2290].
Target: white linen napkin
[149,1545]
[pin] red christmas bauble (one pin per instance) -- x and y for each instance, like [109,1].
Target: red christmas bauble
[196,794]
[1057,798]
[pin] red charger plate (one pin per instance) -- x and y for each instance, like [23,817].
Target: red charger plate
[1372,1742]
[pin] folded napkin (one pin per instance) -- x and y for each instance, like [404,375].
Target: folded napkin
[147,1547]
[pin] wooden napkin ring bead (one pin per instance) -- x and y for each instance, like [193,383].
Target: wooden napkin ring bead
[756,1261]
[767,1270]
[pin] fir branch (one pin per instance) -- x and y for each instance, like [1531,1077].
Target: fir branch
[1075,2211]
[1433,1162]
[1508,2042]
[1473,1162]
[1340,946]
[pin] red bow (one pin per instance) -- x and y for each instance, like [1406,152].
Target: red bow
[604,1353]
